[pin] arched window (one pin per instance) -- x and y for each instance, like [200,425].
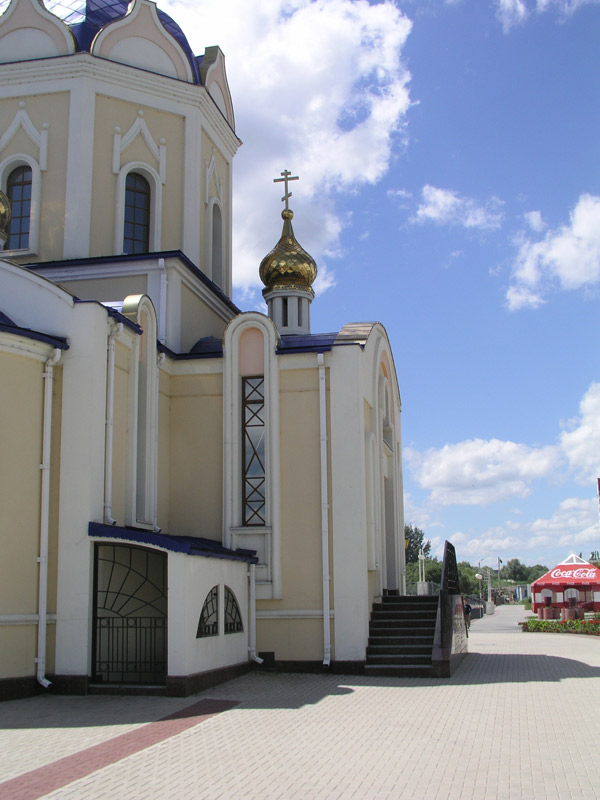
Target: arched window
[233,618]
[136,228]
[208,624]
[18,190]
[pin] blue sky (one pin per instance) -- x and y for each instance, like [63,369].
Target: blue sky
[449,188]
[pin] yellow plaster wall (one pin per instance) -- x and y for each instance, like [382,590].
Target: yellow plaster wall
[291,639]
[20,479]
[111,112]
[18,645]
[53,110]
[197,320]
[107,290]
[196,456]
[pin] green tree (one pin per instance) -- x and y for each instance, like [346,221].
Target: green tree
[514,570]
[433,571]
[466,578]
[533,573]
[416,541]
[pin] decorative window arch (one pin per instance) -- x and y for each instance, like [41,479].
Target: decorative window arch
[154,214]
[24,231]
[208,624]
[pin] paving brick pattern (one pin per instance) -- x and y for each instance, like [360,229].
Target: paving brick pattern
[518,719]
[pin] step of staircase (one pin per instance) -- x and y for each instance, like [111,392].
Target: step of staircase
[401,633]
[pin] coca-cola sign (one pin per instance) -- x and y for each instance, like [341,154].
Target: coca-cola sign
[580,573]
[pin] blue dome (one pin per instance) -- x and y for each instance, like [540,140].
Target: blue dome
[86,18]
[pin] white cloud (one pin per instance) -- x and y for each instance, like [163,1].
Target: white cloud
[479,471]
[518,297]
[319,88]
[535,221]
[511,12]
[447,207]
[515,12]
[581,444]
[568,257]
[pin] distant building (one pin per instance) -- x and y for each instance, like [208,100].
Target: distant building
[183,485]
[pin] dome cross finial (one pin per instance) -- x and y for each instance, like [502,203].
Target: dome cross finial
[286,179]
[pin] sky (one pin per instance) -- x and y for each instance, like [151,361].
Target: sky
[449,188]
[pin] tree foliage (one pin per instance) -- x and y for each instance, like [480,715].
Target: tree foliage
[433,571]
[515,571]
[416,540]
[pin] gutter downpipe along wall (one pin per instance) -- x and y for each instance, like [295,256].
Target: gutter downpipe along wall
[48,376]
[110,413]
[252,614]
[324,511]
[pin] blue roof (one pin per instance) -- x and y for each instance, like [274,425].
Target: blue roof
[190,545]
[86,18]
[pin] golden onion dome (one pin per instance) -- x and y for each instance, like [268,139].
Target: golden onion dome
[287,266]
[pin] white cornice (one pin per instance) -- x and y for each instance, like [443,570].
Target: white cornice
[119,269]
[21,345]
[121,81]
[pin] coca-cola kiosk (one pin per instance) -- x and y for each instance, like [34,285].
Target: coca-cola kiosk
[569,587]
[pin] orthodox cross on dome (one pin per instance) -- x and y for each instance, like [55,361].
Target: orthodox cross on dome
[286,179]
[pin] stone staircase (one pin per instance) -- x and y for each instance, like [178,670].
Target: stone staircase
[401,637]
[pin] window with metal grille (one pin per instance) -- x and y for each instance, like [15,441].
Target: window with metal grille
[233,618]
[209,616]
[136,227]
[253,451]
[18,191]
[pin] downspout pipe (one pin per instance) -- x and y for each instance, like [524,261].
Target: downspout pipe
[252,614]
[108,431]
[48,376]
[324,511]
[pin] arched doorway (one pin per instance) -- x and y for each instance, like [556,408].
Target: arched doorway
[130,615]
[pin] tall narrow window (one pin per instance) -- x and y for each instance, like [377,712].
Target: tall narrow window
[136,229]
[253,450]
[18,190]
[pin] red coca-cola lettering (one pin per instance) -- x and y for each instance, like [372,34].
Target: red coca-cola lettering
[580,572]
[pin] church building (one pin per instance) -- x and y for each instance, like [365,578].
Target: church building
[187,490]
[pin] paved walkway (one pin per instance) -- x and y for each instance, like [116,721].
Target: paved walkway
[520,718]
